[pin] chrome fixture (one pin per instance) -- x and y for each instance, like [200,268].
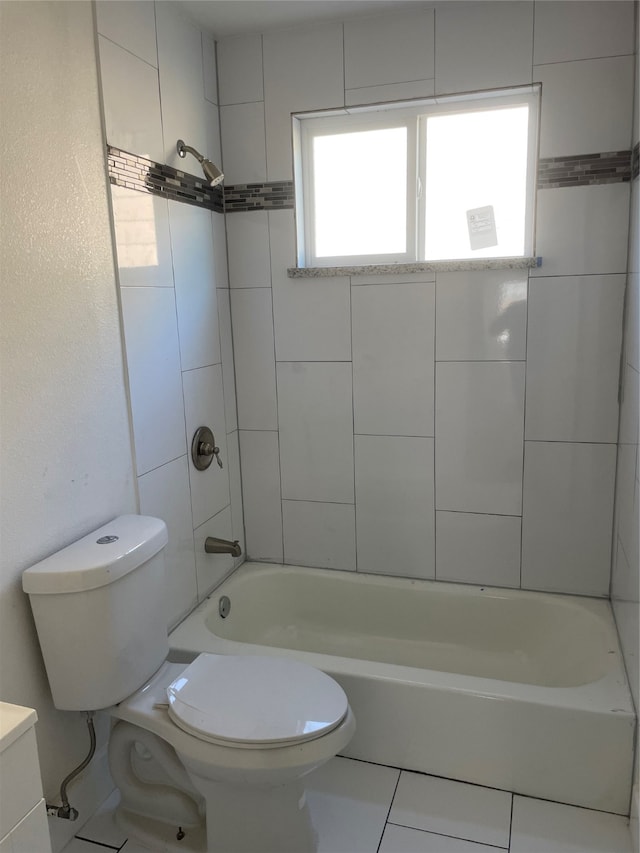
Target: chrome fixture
[222,546]
[203,449]
[211,171]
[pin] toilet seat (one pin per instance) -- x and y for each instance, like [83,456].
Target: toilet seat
[255,702]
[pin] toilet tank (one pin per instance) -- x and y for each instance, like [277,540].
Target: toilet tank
[100,612]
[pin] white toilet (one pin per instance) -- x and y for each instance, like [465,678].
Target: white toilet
[208,756]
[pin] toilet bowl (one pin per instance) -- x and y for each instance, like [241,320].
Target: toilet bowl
[237,774]
[208,757]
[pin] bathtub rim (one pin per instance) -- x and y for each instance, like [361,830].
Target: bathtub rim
[608,694]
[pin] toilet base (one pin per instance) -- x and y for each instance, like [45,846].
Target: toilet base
[161,837]
[243,819]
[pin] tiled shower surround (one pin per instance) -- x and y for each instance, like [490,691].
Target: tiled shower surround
[460,426]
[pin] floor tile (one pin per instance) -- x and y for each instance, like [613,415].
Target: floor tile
[452,808]
[401,839]
[543,827]
[349,802]
[102,827]
[78,845]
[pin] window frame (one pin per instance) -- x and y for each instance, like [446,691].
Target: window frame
[413,114]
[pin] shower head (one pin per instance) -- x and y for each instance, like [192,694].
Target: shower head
[211,171]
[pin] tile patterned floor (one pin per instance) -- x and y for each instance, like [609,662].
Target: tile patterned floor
[359,807]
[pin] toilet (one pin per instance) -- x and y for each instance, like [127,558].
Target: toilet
[208,756]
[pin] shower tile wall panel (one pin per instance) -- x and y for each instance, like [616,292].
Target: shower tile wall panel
[572,378]
[393,337]
[172,266]
[243,144]
[487,353]
[164,493]
[319,534]
[310,323]
[196,298]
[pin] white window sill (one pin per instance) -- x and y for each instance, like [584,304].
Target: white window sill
[424,266]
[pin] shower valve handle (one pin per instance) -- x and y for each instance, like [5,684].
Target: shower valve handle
[207,449]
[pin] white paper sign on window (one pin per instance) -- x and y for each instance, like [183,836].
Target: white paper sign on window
[481,222]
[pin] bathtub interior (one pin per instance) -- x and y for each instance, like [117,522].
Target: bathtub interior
[510,635]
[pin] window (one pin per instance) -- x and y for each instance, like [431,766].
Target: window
[448,178]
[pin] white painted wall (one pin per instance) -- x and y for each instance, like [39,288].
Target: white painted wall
[523,436]
[65,440]
[159,84]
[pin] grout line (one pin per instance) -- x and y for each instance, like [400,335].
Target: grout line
[511,820]
[98,843]
[444,835]
[386,820]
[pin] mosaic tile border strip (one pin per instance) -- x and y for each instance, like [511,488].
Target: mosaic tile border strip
[635,162]
[139,173]
[275,195]
[582,170]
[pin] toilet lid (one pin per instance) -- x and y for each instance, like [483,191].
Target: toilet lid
[255,700]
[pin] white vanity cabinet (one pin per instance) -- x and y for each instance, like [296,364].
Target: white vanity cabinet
[23,816]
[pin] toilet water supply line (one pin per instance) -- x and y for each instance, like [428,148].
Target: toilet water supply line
[67,811]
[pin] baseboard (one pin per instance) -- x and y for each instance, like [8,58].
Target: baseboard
[86,795]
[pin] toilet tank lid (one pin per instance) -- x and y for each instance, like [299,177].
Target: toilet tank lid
[99,558]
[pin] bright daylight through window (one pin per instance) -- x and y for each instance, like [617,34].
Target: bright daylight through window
[446,178]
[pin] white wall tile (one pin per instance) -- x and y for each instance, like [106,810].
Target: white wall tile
[164,493]
[243,143]
[143,242]
[213,144]
[393,370]
[261,495]
[131,102]
[481,316]
[390,92]
[220,249]
[311,316]
[319,534]
[209,69]
[240,63]
[480,549]
[211,569]
[153,362]
[252,321]
[315,414]
[235,488]
[629,406]
[582,230]
[405,278]
[584,29]
[181,86]
[303,70]
[626,507]
[226,352]
[479,435]
[555,828]
[394,505]
[196,299]
[573,358]
[483,45]
[248,249]
[389,49]
[452,808]
[567,515]
[585,106]
[204,406]
[132,25]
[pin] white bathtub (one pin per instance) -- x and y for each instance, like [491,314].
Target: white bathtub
[516,690]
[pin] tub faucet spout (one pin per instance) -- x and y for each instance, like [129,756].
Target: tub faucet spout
[212,545]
